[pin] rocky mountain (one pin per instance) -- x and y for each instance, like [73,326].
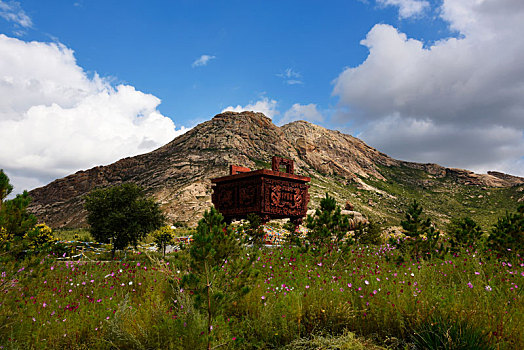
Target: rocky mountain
[178,174]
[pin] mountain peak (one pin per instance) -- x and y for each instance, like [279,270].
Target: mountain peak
[178,174]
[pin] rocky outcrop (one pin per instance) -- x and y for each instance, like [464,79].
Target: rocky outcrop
[178,173]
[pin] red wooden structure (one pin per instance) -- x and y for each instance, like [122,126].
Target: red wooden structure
[271,194]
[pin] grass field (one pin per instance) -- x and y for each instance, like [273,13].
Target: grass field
[355,300]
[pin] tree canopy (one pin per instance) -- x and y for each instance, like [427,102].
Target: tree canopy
[122,215]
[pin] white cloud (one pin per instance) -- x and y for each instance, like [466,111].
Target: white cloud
[13,12]
[407,8]
[265,105]
[307,112]
[55,120]
[468,85]
[291,77]
[202,61]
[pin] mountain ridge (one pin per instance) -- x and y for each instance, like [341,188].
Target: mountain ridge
[178,173]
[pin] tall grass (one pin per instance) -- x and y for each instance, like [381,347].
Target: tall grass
[463,301]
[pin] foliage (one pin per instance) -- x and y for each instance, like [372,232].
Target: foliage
[214,256]
[141,303]
[368,233]
[464,232]
[346,341]
[41,236]
[5,187]
[507,235]
[421,235]
[122,215]
[14,216]
[163,237]
[450,334]
[254,230]
[328,225]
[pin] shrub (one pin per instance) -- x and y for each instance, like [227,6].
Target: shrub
[328,224]
[368,233]
[14,216]
[253,230]
[41,236]
[444,333]
[421,235]
[507,235]
[5,187]
[464,232]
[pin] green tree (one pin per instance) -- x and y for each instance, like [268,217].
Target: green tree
[215,266]
[464,232]
[507,235]
[14,216]
[368,233]
[163,237]
[422,237]
[328,225]
[254,230]
[122,215]
[5,187]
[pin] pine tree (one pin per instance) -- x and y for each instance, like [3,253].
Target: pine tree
[215,266]
[328,226]
[507,235]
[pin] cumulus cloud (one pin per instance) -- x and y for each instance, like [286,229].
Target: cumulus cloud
[307,112]
[265,105]
[54,119]
[202,61]
[407,8]
[13,12]
[465,91]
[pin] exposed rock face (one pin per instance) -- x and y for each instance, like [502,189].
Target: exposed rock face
[178,174]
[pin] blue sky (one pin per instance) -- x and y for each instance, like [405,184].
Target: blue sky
[419,80]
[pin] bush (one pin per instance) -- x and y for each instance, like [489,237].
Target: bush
[5,187]
[368,233]
[41,236]
[328,225]
[122,215]
[253,230]
[421,235]
[464,232]
[507,235]
[14,216]
[445,333]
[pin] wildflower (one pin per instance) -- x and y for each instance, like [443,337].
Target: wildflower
[488,289]
[366,282]
[470,285]
[349,285]
[263,297]
[44,304]
[307,287]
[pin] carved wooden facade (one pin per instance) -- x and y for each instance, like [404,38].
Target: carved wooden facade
[271,194]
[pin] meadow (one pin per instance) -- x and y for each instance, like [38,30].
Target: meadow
[352,299]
